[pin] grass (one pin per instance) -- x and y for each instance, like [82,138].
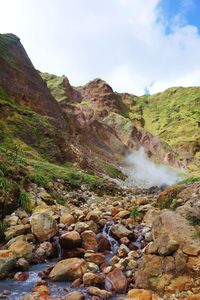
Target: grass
[25,201]
[5,184]
[44,172]
[55,84]
[112,171]
[190,180]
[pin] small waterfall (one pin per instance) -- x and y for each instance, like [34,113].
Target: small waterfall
[114,245]
[57,245]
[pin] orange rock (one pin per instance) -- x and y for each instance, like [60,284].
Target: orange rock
[89,240]
[116,281]
[138,294]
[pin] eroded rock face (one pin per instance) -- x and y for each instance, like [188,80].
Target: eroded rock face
[43,226]
[27,86]
[68,269]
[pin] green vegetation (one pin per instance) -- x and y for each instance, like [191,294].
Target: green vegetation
[25,201]
[193,220]
[6,42]
[112,171]
[44,172]
[190,180]
[173,116]
[55,84]
[135,213]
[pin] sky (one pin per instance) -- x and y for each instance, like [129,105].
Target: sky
[137,46]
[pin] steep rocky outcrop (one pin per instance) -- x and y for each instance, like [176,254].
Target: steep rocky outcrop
[100,115]
[20,80]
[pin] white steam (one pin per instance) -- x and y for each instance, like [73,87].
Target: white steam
[143,172]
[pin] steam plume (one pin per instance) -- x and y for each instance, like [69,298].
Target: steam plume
[143,172]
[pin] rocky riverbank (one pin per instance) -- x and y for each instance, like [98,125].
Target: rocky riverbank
[142,246]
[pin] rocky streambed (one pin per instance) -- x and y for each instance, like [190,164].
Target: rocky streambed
[144,246]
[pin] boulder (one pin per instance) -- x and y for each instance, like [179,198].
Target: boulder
[138,294]
[76,295]
[173,226]
[21,248]
[21,276]
[116,281]
[70,240]
[67,219]
[68,269]
[94,291]
[7,262]
[119,231]
[97,258]
[92,279]
[13,231]
[89,240]
[43,226]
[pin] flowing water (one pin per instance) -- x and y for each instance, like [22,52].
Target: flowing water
[114,245]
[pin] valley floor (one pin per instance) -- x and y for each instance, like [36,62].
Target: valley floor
[135,246]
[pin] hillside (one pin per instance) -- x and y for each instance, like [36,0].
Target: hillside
[173,116]
[70,208]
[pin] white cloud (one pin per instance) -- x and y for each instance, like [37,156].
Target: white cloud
[121,41]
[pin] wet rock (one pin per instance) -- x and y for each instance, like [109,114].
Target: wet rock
[94,291]
[89,240]
[68,269]
[7,262]
[123,251]
[103,243]
[67,219]
[43,226]
[22,264]
[97,258]
[76,295]
[92,279]
[70,240]
[13,231]
[70,253]
[116,281]
[140,294]
[21,276]
[76,283]
[119,231]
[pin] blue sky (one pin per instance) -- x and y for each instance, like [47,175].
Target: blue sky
[137,46]
[188,11]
